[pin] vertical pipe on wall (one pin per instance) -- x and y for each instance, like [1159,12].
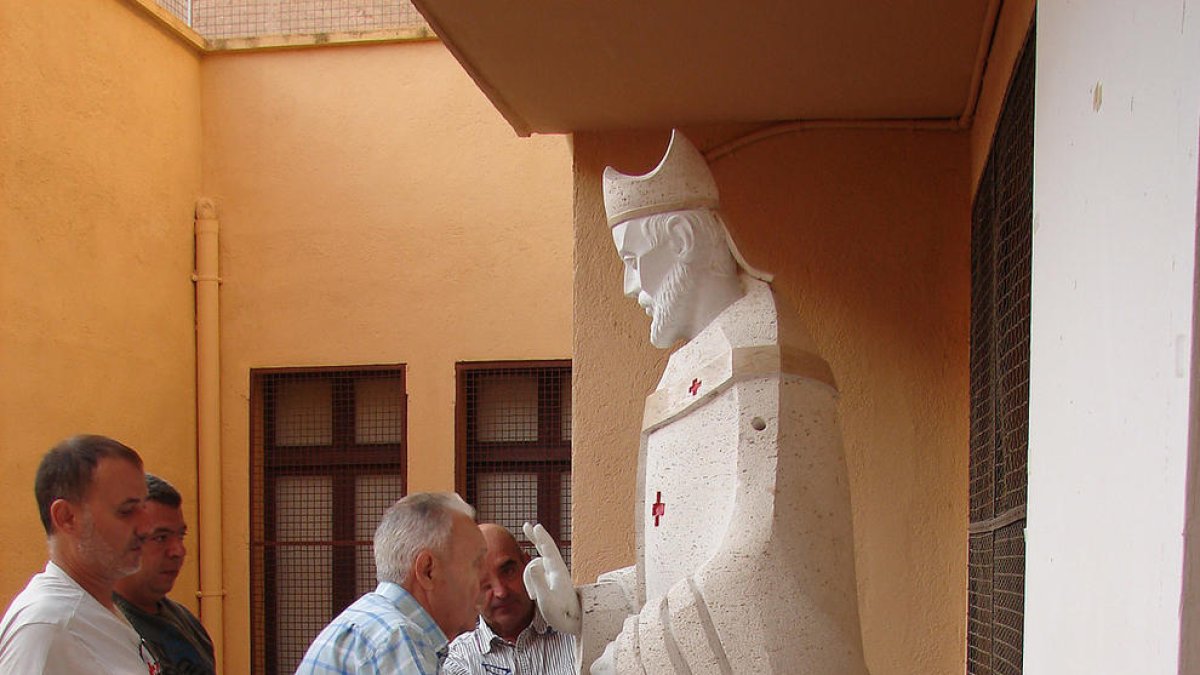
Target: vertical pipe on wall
[208,424]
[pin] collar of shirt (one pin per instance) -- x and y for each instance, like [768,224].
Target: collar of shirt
[54,570]
[407,605]
[488,638]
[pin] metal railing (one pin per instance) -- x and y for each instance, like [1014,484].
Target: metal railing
[226,19]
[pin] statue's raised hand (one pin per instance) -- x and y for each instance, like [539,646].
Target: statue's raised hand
[549,583]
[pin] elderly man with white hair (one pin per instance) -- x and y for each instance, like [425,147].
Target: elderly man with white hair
[428,557]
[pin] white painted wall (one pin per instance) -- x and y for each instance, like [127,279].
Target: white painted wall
[1115,187]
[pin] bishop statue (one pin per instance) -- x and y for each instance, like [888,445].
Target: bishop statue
[745,548]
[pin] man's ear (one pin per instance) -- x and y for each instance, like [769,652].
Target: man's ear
[682,235]
[423,568]
[64,516]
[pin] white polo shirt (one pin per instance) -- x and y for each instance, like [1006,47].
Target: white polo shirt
[56,627]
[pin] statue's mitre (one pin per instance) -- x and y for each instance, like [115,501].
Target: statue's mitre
[680,181]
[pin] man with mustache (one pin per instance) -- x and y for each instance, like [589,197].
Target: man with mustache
[91,495]
[171,632]
[512,637]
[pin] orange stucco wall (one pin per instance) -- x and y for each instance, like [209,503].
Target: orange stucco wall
[99,170]
[374,208]
[867,233]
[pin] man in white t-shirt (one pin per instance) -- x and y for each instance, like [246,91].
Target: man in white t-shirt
[91,494]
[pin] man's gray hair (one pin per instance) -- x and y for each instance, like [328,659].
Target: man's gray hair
[422,520]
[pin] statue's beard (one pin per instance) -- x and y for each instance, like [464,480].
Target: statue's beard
[670,308]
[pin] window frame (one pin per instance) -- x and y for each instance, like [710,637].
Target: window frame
[550,448]
[1001,269]
[270,462]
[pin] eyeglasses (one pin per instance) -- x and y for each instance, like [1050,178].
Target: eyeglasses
[163,538]
[152,667]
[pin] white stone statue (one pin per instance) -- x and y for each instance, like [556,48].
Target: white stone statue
[745,550]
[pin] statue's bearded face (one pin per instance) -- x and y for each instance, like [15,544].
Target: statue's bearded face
[657,277]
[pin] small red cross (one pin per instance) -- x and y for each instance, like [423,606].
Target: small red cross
[659,509]
[694,388]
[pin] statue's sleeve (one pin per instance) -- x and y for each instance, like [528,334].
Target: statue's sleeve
[671,634]
[605,605]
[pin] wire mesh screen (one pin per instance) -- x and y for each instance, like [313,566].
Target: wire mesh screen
[979,603]
[1001,263]
[983,419]
[182,9]
[328,459]
[253,18]
[1013,194]
[514,444]
[1008,587]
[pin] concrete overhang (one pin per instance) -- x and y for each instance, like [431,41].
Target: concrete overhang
[554,66]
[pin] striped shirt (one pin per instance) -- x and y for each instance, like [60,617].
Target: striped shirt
[539,650]
[385,631]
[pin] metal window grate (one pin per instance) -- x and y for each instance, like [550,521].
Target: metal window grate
[514,445]
[328,457]
[983,424]
[1008,593]
[216,19]
[1001,263]
[182,9]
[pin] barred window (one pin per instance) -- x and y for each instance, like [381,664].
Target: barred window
[514,445]
[1001,264]
[328,457]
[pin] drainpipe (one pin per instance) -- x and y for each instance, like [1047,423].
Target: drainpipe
[208,426]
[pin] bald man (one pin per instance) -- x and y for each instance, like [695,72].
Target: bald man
[512,638]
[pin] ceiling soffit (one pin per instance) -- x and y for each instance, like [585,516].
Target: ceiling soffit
[554,66]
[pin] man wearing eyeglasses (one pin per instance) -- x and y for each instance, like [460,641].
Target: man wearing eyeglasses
[171,632]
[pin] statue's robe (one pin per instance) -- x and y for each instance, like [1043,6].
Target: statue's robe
[745,543]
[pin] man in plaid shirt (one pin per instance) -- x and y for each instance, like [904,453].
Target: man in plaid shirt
[428,557]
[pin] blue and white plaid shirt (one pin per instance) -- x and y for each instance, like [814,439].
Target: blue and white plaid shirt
[385,631]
